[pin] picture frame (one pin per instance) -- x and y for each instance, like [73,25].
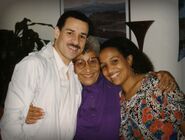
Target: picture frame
[108,17]
[181,30]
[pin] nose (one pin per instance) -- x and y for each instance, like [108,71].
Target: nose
[109,69]
[75,40]
[87,67]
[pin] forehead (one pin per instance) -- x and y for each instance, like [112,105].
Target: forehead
[108,54]
[76,24]
[87,55]
[109,51]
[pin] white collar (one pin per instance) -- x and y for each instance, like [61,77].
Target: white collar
[60,63]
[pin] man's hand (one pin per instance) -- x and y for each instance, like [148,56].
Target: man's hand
[167,81]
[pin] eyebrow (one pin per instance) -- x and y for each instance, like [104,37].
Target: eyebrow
[114,57]
[93,57]
[83,59]
[68,29]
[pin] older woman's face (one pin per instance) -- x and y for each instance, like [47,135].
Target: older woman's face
[87,68]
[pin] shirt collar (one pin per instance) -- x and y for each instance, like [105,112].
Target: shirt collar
[60,64]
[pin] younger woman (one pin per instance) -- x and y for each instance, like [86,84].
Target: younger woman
[146,112]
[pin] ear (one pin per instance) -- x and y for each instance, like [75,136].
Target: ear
[130,60]
[57,32]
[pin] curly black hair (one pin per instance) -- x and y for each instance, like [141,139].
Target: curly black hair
[141,63]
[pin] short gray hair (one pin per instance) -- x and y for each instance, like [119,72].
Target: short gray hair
[92,43]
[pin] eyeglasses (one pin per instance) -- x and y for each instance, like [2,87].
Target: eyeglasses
[92,62]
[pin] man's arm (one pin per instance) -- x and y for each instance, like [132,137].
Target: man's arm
[167,81]
[182,128]
[19,96]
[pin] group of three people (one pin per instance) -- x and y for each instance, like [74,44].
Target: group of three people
[98,117]
[126,81]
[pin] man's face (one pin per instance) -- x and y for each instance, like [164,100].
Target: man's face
[70,40]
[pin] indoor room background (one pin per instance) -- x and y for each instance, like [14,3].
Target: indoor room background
[161,42]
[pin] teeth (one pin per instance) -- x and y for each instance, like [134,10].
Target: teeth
[114,75]
[88,75]
[73,48]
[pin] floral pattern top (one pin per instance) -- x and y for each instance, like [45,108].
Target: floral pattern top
[151,114]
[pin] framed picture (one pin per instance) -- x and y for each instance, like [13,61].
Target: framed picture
[181,29]
[108,16]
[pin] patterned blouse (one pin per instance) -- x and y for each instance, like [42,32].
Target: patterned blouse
[151,114]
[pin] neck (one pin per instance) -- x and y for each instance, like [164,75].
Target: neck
[131,85]
[63,58]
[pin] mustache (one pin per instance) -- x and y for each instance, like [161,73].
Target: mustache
[75,46]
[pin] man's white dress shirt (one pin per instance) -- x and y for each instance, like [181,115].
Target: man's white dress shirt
[41,79]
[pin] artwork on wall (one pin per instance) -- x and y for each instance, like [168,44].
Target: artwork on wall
[181,29]
[108,16]
[139,28]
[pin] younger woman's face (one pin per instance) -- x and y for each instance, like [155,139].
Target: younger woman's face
[114,66]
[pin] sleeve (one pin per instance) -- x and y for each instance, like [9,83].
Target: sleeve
[19,96]
[176,104]
[169,105]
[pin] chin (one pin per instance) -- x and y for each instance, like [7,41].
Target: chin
[86,83]
[116,83]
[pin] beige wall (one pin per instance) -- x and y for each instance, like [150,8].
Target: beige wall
[45,11]
[162,38]
[161,41]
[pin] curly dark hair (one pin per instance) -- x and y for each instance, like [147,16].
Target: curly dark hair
[141,63]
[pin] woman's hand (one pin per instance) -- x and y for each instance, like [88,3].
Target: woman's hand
[34,114]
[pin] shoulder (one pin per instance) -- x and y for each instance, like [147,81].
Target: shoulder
[30,61]
[149,83]
[150,78]
[38,58]
[32,64]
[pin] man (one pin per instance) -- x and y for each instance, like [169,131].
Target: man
[47,80]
